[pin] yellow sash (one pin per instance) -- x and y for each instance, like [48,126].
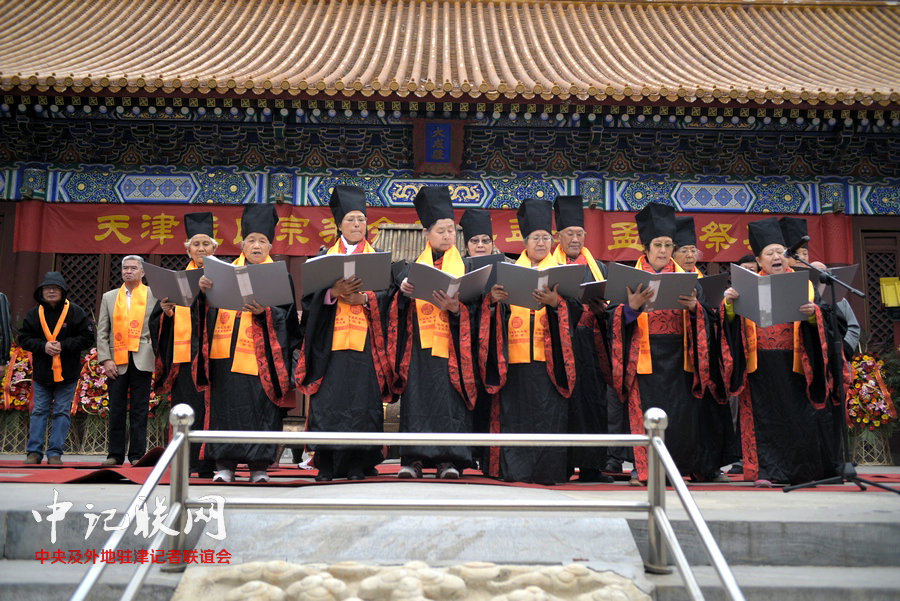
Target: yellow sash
[645,363]
[434,324]
[181,342]
[244,351]
[51,336]
[563,259]
[128,324]
[350,325]
[750,337]
[522,343]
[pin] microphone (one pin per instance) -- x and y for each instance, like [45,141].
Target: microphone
[792,251]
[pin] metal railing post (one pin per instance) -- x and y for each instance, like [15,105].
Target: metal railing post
[182,418]
[655,422]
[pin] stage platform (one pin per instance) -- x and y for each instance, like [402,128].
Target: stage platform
[830,544]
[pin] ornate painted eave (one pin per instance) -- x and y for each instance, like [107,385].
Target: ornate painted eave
[831,54]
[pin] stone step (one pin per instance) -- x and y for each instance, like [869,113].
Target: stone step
[788,543]
[22,580]
[788,583]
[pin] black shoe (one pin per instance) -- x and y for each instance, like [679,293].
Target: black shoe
[736,469]
[356,476]
[111,461]
[592,475]
[613,467]
[370,472]
[323,477]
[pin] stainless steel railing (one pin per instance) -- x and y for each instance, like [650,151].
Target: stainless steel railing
[659,462]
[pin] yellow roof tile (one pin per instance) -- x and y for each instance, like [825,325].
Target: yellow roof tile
[713,51]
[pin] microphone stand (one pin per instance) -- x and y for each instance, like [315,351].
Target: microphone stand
[846,470]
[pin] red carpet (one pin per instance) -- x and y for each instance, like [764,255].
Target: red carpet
[92,472]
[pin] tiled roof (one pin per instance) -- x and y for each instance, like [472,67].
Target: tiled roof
[702,52]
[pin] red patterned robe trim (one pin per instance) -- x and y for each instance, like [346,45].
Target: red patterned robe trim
[401,365]
[377,346]
[633,400]
[281,376]
[463,377]
[748,436]
[565,340]
[808,372]
[600,351]
[494,452]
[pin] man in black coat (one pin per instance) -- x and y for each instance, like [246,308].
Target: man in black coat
[55,332]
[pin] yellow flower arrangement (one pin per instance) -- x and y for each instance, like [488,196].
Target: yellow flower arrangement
[18,392]
[870,410]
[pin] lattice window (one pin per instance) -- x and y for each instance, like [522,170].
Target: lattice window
[115,271]
[174,262]
[879,265]
[80,273]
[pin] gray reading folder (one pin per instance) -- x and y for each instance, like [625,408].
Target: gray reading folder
[235,286]
[714,287]
[667,287]
[591,290]
[374,269]
[180,287]
[426,279]
[844,274]
[519,282]
[769,299]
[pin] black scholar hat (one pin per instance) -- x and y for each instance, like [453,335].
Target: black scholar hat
[259,219]
[475,222]
[569,211]
[433,203]
[763,233]
[198,223]
[535,214]
[345,199]
[655,220]
[684,232]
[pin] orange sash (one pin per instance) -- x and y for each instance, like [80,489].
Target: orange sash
[51,336]
[181,342]
[434,324]
[750,337]
[350,325]
[586,258]
[244,351]
[128,324]
[645,363]
[522,342]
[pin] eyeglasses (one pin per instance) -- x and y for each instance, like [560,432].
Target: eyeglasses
[543,238]
[666,245]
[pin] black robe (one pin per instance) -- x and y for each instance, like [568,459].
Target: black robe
[681,394]
[526,398]
[587,405]
[184,382]
[253,403]
[347,387]
[437,394]
[786,418]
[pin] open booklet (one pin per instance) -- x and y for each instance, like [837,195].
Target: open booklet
[234,286]
[374,269]
[667,287]
[845,274]
[492,260]
[427,279]
[768,300]
[714,287]
[180,287]
[520,282]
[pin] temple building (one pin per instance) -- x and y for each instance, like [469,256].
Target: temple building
[118,116]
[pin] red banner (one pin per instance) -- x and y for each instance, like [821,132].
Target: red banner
[157,229]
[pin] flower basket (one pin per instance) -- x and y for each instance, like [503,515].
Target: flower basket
[871,450]
[18,392]
[871,413]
